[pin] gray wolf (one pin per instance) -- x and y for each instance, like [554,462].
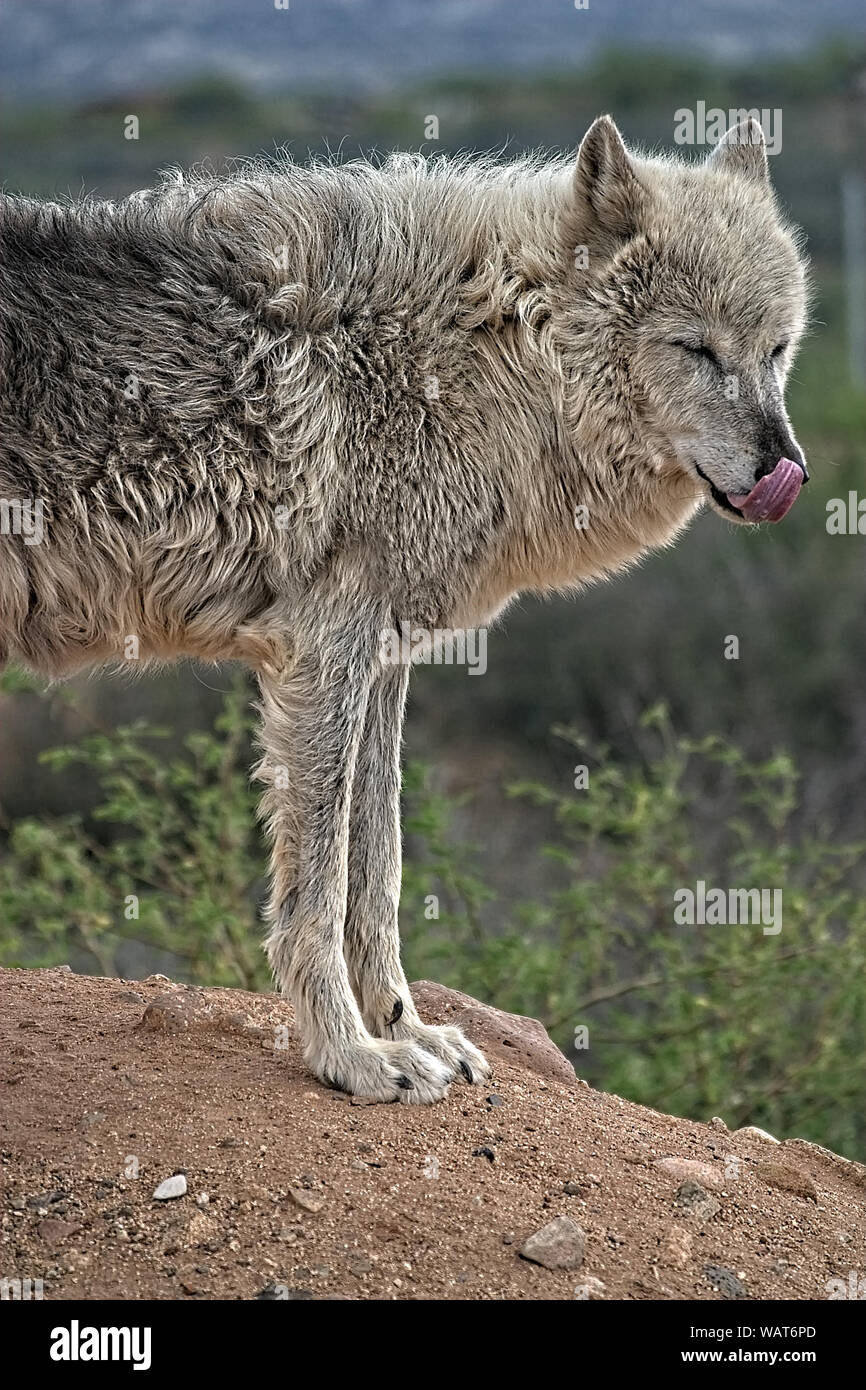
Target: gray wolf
[271,416]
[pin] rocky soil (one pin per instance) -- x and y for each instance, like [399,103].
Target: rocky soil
[161,1141]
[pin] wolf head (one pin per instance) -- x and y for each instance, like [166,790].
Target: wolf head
[699,301]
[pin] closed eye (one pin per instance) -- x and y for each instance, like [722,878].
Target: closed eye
[779,349]
[698,350]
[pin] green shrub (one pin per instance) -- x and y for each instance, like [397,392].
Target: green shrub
[176,866]
[699,1020]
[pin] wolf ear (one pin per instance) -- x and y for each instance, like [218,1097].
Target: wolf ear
[743,150]
[607,193]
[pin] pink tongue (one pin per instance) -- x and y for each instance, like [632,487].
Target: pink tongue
[773,495]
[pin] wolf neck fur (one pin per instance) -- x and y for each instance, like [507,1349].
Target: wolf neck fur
[531,316]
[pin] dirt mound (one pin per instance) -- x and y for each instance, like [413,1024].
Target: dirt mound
[535,1187]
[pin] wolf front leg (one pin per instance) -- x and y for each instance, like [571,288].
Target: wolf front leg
[372,930]
[313,718]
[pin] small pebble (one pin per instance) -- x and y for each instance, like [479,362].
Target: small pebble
[589,1288]
[174,1186]
[558,1245]
[725,1280]
[695,1200]
[753,1132]
[706,1174]
[305,1200]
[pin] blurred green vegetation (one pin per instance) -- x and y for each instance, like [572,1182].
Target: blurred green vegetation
[184,840]
[699,1020]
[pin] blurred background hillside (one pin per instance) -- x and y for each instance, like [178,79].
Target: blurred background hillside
[217,80]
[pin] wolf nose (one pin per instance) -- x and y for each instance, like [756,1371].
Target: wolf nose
[794,455]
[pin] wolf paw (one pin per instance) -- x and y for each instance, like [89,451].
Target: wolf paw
[385,1070]
[446,1043]
[451,1047]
